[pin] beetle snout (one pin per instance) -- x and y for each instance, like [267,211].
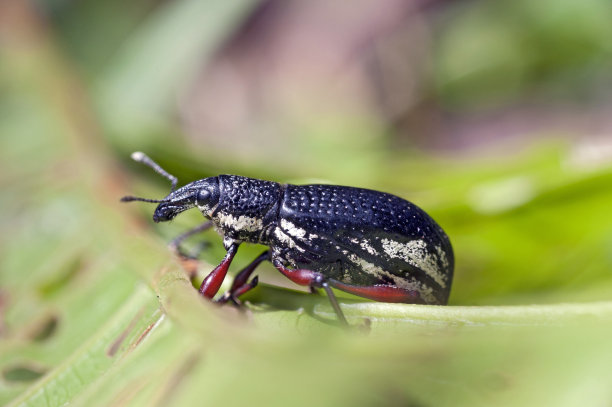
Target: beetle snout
[164,213]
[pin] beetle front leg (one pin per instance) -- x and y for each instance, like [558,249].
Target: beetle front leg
[189,263]
[311,279]
[213,281]
[175,244]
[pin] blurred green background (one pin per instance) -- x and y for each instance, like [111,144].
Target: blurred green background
[492,116]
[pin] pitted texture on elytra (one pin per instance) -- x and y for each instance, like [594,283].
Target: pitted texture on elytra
[347,209]
[352,206]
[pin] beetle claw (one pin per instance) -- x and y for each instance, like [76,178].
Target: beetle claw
[233,294]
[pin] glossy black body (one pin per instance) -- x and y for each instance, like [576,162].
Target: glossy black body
[351,235]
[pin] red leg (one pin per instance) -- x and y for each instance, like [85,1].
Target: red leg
[300,276]
[312,279]
[233,296]
[382,293]
[243,276]
[240,284]
[212,282]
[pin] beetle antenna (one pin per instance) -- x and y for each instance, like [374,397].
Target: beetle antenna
[141,157]
[135,198]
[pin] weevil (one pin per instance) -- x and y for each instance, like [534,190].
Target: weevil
[368,243]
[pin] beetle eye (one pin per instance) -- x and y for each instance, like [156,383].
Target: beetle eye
[203,196]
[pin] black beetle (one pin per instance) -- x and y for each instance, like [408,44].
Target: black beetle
[368,243]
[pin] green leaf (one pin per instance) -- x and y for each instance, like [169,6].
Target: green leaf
[95,311]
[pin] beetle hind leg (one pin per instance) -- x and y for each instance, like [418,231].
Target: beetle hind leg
[311,279]
[381,292]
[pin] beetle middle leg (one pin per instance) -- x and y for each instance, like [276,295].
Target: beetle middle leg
[241,284]
[311,279]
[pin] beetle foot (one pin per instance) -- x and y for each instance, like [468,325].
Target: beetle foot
[313,290]
[233,294]
[366,327]
[190,266]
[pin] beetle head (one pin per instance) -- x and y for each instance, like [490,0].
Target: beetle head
[203,193]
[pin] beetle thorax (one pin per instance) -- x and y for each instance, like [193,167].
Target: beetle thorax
[247,207]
